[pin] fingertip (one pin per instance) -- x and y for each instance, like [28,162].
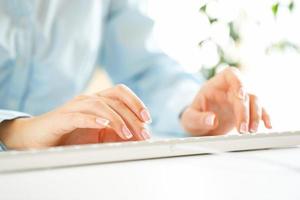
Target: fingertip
[243,128]
[146,117]
[266,119]
[253,127]
[268,124]
[126,133]
[145,134]
[199,123]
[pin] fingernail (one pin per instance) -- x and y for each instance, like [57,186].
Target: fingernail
[254,127]
[126,132]
[244,127]
[210,119]
[103,122]
[146,116]
[241,93]
[145,134]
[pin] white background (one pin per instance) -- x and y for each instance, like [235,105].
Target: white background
[275,77]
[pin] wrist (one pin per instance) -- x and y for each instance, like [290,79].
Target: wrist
[12,132]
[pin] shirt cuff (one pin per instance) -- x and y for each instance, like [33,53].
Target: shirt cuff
[2,147]
[9,115]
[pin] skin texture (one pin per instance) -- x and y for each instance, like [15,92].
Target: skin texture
[222,104]
[117,114]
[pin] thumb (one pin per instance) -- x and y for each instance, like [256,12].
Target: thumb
[198,123]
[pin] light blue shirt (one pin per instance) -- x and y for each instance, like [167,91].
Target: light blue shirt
[49,50]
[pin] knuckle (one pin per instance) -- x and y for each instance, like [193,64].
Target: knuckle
[235,74]
[116,120]
[118,103]
[137,122]
[121,87]
[95,103]
[117,123]
[81,97]
[115,104]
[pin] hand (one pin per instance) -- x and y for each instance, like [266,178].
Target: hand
[222,104]
[115,114]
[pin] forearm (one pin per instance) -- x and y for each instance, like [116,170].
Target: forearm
[133,59]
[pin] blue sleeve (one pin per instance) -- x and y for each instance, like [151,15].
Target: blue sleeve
[9,115]
[2,147]
[129,56]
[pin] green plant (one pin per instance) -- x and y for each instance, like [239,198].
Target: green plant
[225,58]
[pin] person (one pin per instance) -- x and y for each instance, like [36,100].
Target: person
[48,51]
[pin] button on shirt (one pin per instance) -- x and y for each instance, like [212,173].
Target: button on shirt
[49,50]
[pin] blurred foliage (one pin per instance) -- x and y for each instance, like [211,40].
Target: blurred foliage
[282,46]
[234,34]
[276,6]
[224,60]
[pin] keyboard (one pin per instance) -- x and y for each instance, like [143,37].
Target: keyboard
[66,156]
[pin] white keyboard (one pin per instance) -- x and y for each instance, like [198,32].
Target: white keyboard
[11,161]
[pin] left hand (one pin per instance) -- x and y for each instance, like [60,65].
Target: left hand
[222,104]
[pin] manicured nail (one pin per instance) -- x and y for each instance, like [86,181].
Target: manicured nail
[145,134]
[101,121]
[126,132]
[242,93]
[244,127]
[146,116]
[210,120]
[253,128]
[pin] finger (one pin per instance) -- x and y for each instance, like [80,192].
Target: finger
[72,121]
[124,94]
[97,106]
[231,79]
[239,97]
[266,119]
[255,113]
[241,112]
[198,123]
[133,122]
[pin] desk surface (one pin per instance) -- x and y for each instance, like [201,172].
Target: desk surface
[268,174]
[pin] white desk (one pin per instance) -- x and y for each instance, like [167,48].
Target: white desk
[268,175]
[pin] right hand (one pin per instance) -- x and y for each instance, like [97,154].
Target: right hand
[115,114]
